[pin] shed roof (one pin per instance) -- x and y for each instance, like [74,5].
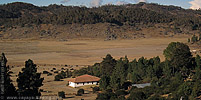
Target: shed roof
[84,78]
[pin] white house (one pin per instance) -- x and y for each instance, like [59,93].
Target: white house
[83,80]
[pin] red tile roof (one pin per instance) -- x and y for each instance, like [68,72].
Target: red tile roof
[84,78]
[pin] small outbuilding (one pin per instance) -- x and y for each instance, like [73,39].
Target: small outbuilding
[83,80]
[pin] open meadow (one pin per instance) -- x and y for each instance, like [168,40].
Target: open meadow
[82,51]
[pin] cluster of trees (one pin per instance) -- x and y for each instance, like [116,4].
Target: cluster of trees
[178,76]
[195,38]
[28,81]
[63,75]
[133,14]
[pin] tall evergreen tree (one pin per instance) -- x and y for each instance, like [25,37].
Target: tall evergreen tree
[131,67]
[29,80]
[119,73]
[7,88]
[107,65]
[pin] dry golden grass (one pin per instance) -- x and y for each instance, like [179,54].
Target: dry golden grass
[82,52]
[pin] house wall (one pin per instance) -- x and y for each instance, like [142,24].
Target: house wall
[72,84]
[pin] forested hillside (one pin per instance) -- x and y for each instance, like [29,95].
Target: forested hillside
[133,18]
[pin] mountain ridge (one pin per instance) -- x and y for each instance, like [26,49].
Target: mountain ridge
[17,20]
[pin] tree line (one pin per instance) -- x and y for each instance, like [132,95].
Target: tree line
[24,14]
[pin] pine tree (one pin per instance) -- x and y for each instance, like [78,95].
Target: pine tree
[107,65]
[29,80]
[6,83]
[198,61]
[178,54]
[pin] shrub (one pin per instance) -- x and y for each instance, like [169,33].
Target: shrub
[57,78]
[53,68]
[80,92]
[41,90]
[49,74]
[61,94]
[95,89]
[10,72]
[63,74]
[45,72]
[56,72]
[67,84]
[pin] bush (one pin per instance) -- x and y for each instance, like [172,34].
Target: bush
[45,72]
[41,90]
[10,72]
[57,78]
[61,94]
[56,72]
[53,68]
[67,84]
[63,74]
[95,89]
[80,92]
[49,74]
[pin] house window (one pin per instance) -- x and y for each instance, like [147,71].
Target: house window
[92,82]
[77,83]
[83,83]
